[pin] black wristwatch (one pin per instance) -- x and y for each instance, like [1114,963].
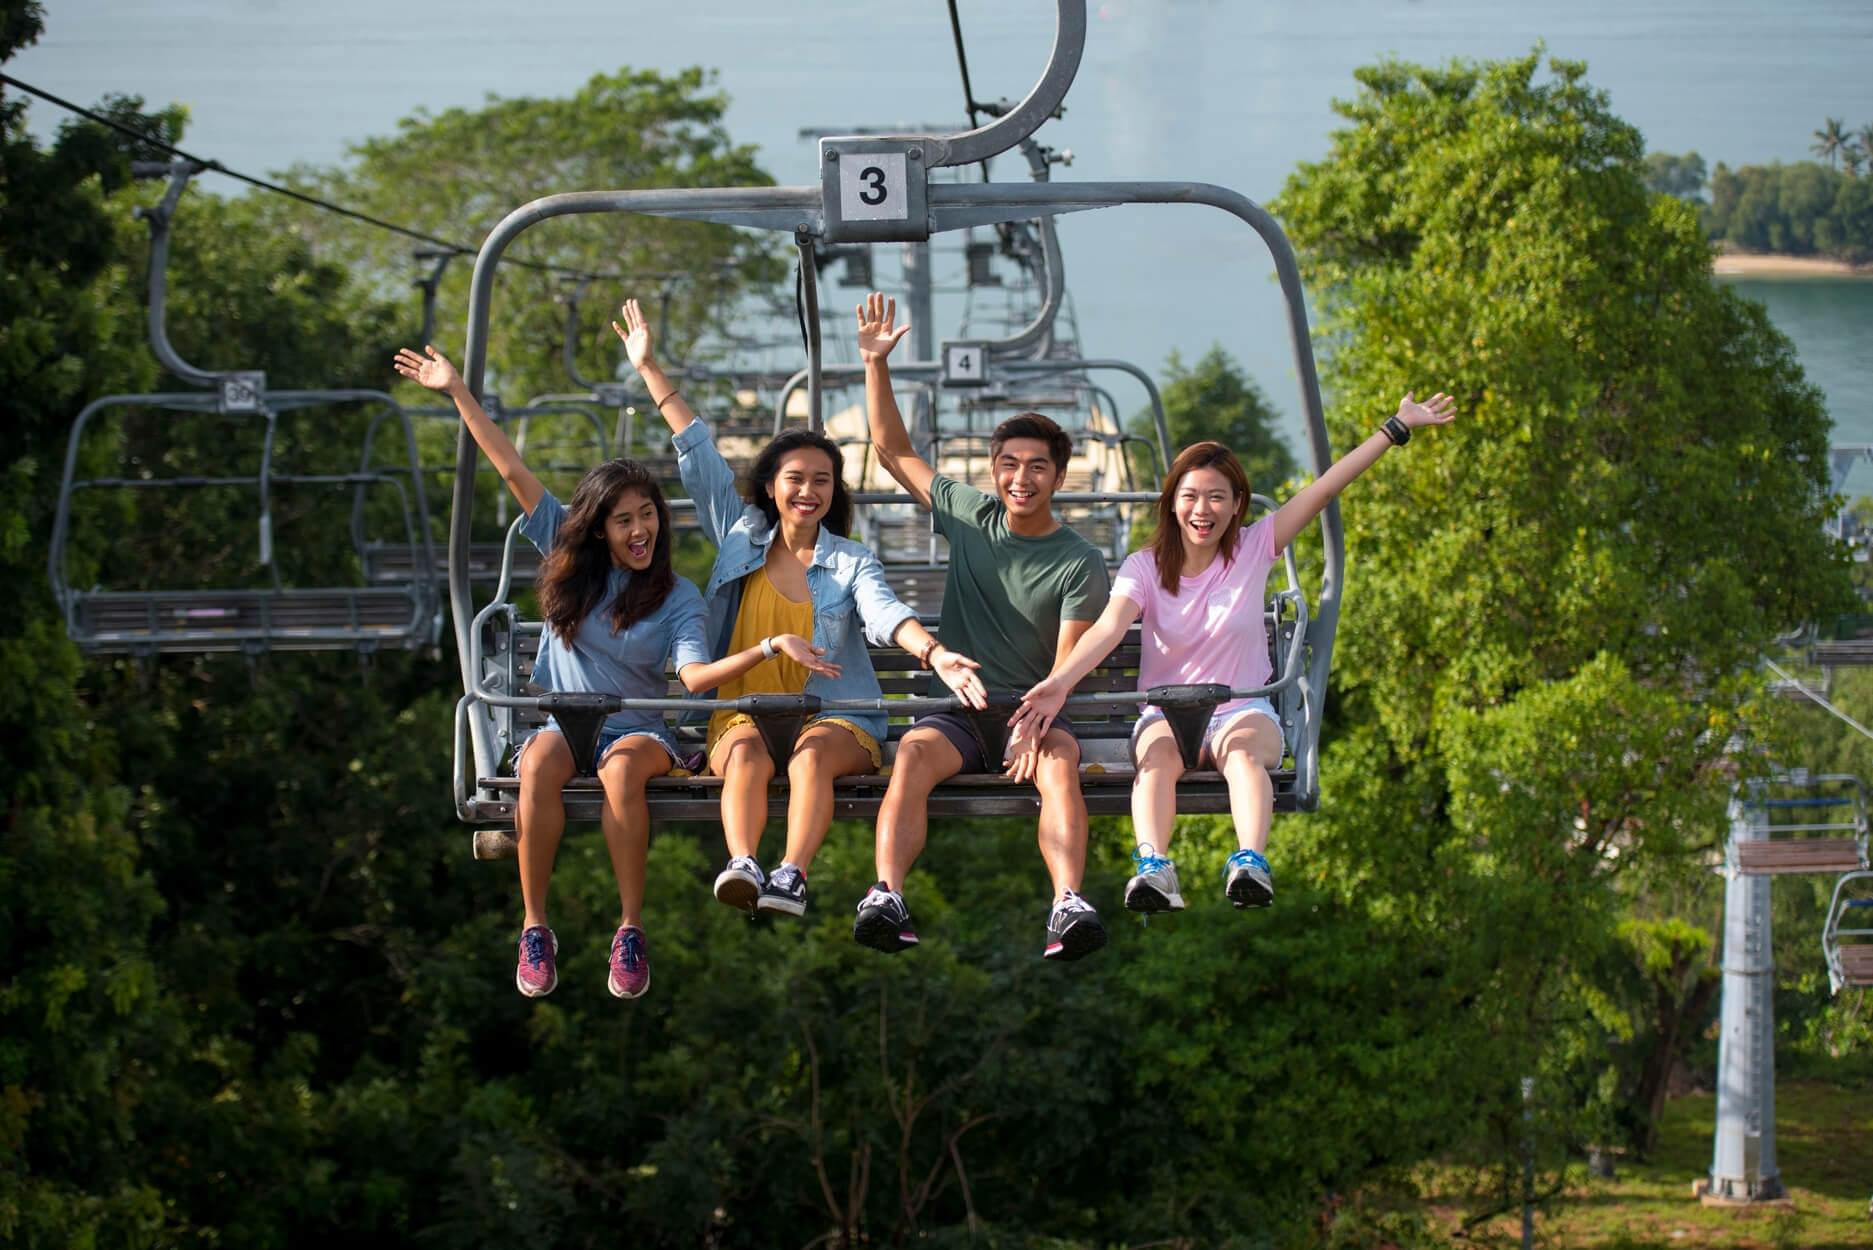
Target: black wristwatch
[1397,431]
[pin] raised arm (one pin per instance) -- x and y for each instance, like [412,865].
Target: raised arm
[435,372]
[889,439]
[1091,642]
[1294,515]
[635,332]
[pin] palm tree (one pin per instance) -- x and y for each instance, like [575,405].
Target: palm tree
[1828,141]
[1865,136]
[1853,156]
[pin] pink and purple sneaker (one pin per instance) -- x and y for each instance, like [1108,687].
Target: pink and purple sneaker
[537,971]
[630,963]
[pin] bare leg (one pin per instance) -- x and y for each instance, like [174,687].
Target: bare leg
[741,760]
[823,753]
[539,820]
[924,758]
[626,818]
[1154,793]
[1249,748]
[1062,827]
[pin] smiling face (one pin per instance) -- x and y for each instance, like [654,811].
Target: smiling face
[802,489]
[1205,503]
[631,530]
[1026,477]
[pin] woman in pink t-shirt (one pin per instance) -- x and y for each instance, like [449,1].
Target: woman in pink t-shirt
[1198,588]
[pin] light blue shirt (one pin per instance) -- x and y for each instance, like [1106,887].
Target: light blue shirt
[851,600]
[629,663]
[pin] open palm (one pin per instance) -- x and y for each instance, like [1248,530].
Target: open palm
[635,332]
[433,370]
[876,335]
[1439,409]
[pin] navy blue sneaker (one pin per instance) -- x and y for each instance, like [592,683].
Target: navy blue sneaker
[1247,879]
[883,921]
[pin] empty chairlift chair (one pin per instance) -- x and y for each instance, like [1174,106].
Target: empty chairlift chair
[1801,824]
[205,478]
[1847,937]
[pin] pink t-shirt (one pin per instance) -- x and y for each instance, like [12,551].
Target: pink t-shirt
[1212,629]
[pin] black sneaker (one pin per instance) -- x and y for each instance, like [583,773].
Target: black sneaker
[883,921]
[739,884]
[1073,929]
[785,891]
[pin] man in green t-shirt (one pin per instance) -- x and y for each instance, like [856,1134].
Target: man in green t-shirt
[1020,590]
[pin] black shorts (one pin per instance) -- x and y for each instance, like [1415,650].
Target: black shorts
[960,733]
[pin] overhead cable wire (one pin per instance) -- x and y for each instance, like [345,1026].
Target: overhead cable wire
[1786,676]
[962,63]
[274,187]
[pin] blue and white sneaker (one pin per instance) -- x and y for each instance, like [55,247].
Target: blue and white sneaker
[739,884]
[1154,888]
[1247,879]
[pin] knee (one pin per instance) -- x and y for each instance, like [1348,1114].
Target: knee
[547,762]
[915,770]
[1163,758]
[807,766]
[749,759]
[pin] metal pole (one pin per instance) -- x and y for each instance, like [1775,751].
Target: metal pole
[917,301]
[1528,1163]
[1743,1167]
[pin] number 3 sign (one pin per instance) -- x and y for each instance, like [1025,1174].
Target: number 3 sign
[874,190]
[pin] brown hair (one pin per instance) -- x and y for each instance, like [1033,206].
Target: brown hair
[1034,425]
[577,572]
[1167,545]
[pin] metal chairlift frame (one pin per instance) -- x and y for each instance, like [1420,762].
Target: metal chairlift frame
[363,618]
[810,212]
[1843,972]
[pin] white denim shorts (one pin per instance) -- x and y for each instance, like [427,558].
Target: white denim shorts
[1220,723]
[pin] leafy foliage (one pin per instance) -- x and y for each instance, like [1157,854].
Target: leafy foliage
[1803,209]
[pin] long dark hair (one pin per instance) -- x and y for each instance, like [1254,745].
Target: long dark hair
[577,572]
[1167,545]
[767,464]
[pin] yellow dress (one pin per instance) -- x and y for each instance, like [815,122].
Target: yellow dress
[764,613]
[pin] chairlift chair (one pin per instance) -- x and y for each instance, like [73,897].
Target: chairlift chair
[1801,823]
[1847,936]
[260,612]
[915,207]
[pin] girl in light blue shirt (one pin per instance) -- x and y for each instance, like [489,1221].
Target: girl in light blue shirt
[615,611]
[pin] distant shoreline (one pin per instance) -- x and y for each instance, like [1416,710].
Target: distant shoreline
[1772,265]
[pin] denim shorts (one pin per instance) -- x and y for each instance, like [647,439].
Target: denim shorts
[1220,723]
[607,739]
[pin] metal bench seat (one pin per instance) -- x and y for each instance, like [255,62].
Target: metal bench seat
[158,622]
[399,562]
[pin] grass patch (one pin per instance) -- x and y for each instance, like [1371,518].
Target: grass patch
[1824,1149]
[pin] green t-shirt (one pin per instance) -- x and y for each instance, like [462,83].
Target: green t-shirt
[1005,595]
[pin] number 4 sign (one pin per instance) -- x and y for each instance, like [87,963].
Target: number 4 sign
[874,190]
[965,364]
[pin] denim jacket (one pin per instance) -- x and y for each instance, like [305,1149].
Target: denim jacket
[851,601]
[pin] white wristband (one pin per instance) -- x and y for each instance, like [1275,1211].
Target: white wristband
[767,647]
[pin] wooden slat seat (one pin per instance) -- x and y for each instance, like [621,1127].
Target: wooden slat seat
[157,622]
[1773,857]
[1106,767]
[1856,964]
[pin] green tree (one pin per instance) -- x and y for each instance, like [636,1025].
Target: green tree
[1680,176]
[1627,512]
[457,173]
[1215,399]
[1828,141]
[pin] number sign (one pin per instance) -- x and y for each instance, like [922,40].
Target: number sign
[874,190]
[965,364]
